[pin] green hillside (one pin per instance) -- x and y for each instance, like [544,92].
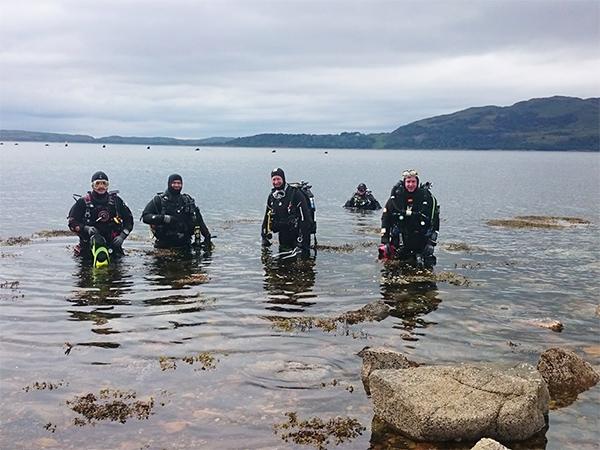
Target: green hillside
[555,123]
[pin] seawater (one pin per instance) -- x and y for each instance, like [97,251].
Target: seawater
[137,326]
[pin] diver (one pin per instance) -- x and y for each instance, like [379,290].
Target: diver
[362,199]
[174,218]
[410,222]
[102,221]
[288,214]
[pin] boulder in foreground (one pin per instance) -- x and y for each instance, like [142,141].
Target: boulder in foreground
[566,375]
[446,403]
[381,358]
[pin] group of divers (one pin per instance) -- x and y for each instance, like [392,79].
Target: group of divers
[409,223]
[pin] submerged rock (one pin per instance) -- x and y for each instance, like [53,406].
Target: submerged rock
[566,374]
[550,324]
[489,444]
[374,311]
[538,222]
[381,358]
[447,403]
[15,240]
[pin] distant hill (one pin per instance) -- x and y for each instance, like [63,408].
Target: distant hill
[343,140]
[36,136]
[553,123]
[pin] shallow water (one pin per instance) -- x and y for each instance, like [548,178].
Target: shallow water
[84,330]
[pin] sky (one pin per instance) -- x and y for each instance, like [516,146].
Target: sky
[197,69]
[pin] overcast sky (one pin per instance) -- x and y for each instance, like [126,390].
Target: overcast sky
[194,69]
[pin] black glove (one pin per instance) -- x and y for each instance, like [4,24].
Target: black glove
[428,250]
[118,241]
[168,219]
[433,238]
[266,239]
[90,230]
[385,239]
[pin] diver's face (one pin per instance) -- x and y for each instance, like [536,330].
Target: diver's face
[410,184]
[100,186]
[177,185]
[277,181]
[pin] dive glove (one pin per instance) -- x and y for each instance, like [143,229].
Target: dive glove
[118,241]
[266,239]
[431,243]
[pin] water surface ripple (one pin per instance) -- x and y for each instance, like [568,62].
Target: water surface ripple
[205,335]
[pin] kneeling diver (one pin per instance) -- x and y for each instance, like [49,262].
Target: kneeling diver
[102,221]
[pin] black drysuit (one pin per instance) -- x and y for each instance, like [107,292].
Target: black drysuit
[366,201]
[288,214]
[184,220]
[409,220]
[106,212]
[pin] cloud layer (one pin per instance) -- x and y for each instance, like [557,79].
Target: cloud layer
[233,68]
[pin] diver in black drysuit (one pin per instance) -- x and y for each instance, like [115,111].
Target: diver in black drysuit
[287,213]
[174,217]
[100,216]
[411,221]
[362,199]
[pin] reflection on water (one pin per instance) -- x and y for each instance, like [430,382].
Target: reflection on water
[178,268]
[409,299]
[384,437]
[288,281]
[103,286]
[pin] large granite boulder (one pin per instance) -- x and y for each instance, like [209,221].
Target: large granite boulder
[381,358]
[566,374]
[489,444]
[447,403]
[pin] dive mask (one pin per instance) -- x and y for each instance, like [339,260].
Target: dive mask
[98,183]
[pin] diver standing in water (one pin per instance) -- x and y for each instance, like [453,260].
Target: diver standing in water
[174,218]
[410,222]
[102,221]
[287,214]
[362,199]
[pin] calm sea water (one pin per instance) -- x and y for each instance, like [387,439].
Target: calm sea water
[84,331]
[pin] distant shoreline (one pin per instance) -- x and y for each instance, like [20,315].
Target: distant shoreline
[194,147]
[556,123]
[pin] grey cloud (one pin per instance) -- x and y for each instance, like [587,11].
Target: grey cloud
[194,69]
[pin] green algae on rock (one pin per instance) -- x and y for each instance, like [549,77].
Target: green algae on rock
[40,386]
[551,222]
[110,404]
[15,240]
[317,432]
[205,359]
